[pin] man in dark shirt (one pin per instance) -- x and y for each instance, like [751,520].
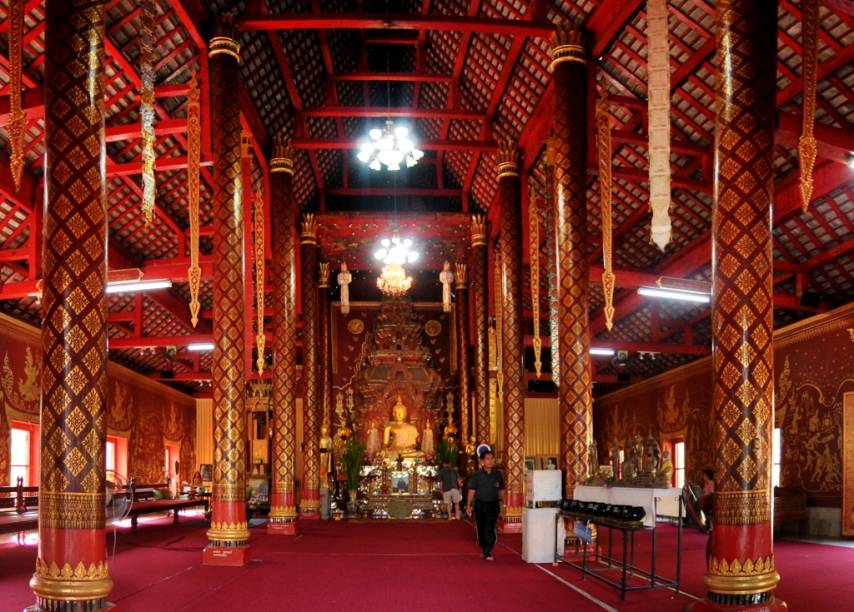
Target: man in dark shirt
[449,477]
[485,494]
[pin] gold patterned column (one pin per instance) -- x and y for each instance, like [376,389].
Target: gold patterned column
[462,315]
[283,210]
[569,149]
[310,502]
[512,349]
[479,289]
[71,567]
[325,321]
[741,569]
[228,537]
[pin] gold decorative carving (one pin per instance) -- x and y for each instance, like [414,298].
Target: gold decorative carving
[17,118]
[283,155]
[260,339]
[355,326]
[308,229]
[432,328]
[228,532]
[67,510]
[807,147]
[194,144]
[224,40]
[147,115]
[67,583]
[507,159]
[567,45]
[226,492]
[283,513]
[323,276]
[534,279]
[478,230]
[603,145]
[658,111]
[79,572]
[460,278]
[848,464]
[741,577]
[742,507]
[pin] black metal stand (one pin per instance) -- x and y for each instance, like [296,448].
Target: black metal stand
[626,564]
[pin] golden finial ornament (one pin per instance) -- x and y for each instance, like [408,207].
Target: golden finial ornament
[224,41]
[567,45]
[282,159]
[478,230]
[323,276]
[508,159]
[460,275]
[308,229]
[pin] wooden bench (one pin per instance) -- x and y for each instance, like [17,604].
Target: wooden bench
[143,501]
[16,508]
[790,505]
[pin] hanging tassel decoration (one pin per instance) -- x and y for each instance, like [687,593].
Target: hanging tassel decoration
[446,277]
[345,277]
[498,290]
[603,145]
[551,257]
[807,147]
[146,106]
[194,133]
[658,89]
[534,253]
[17,117]
[260,339]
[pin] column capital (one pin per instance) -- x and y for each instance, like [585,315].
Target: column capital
[323,277]
[507,159]
[224,41]
[460,276]
[568,45]
[282,159]
[308,229]
[478,230]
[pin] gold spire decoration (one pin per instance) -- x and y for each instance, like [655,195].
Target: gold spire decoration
[17,117]
[260,339]
[534,254]
[807,148]
[498,292]
[194,131]
[603,145]
[478,230]
[658,111]
[507,159]
[146,106]
[461,282]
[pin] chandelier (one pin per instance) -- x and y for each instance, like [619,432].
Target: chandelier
[396,250]
[389,147]
[393,280]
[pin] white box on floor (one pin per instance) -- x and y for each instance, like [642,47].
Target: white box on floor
[542,486]
[538,535]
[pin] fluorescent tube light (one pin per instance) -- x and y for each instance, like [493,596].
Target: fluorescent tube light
[200,347]
[139,285]
[675,294]
[602,351]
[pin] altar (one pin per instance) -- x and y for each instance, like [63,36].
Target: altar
[402,488]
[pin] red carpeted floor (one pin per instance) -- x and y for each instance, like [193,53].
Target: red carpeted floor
[401,566]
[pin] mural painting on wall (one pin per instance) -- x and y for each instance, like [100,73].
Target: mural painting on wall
[19,398]
[810,416]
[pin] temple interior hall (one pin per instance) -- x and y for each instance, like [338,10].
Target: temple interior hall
[374,305]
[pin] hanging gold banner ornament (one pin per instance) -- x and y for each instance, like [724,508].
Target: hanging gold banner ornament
[194,134]
[146,105]
[260,339]
[658,90]
[534,278]
[807,148]
[603,145]
[498,293]
[17,118]
[551,267]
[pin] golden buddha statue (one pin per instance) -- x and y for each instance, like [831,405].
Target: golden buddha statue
[400,437]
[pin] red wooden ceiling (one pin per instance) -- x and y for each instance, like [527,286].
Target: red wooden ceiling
[466,74]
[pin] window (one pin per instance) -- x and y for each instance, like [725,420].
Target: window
[20,457]
[678,463]
[110,458]
[776,456]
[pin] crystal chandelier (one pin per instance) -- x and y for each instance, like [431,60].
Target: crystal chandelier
[396,250]
[389,147]
[393,280]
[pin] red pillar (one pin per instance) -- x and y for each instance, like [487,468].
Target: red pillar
[228,537]
[310,502]
[71,567]
[462,315]
[741,573]
[283,209]
[569,148]
[512,334]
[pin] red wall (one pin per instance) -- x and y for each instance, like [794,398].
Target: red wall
[141,410]
[813,366]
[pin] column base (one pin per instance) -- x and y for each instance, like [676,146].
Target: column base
[230,556]
[282,528]
[309,515]
[94,606]
[775,605]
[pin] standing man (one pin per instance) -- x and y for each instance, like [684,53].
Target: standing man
[450,479]
[485,495]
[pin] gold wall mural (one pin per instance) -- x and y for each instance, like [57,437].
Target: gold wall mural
[848,465]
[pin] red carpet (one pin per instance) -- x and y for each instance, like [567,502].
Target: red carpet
[401,566]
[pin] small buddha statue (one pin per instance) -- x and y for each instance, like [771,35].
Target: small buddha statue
[427,439]
[325,454]
[373,446]
[400,437]
[665,470]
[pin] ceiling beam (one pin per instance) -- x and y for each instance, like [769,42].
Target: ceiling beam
[427,192]
[343,144]
[389,21]
[639,347]
[415,77]
[383,112]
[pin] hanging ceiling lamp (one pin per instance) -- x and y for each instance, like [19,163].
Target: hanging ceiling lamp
[395,252]
[389,147]
[393,281]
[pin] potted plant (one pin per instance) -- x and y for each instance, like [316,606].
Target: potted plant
[354,454]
